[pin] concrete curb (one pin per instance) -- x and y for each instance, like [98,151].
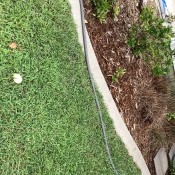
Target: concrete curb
[118,122]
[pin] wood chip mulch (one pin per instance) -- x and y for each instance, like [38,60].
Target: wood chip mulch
[138,95]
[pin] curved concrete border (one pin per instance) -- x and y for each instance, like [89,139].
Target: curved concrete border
[118,122]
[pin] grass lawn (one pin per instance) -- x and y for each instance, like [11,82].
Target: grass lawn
[49,124]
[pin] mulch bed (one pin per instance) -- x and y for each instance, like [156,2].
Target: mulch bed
[138,95]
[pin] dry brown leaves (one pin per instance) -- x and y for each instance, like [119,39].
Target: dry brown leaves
[13,45]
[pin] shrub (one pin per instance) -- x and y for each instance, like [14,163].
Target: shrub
[171,116]
[150,39]
[118,74]
[103,7]
[116,9]
[172,167]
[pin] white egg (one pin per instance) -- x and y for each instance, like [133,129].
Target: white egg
[17,78]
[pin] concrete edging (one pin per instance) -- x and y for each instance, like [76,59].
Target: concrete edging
[99,79]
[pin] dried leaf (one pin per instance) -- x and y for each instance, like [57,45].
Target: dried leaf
[13,45]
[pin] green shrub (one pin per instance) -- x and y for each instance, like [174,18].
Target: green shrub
[172,167]
[116,9]
[103,7]
[171,116]
[118,74]
[150,39]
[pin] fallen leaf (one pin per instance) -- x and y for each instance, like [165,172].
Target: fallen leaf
[13,45]
[85,21]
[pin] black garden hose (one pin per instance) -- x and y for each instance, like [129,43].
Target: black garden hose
[94,89]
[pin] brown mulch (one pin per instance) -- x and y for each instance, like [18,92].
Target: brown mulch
[138,95]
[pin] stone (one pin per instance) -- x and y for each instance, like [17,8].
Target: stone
[172,46]
[173,25]
[172,153]
[161,162]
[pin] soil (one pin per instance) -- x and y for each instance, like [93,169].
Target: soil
[140,97]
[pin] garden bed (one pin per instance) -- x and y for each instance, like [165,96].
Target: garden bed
[139,95]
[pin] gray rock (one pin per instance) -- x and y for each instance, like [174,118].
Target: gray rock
[161,162]
[172,44]
[172,153]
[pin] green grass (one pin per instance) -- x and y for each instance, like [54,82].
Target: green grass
[49,123]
